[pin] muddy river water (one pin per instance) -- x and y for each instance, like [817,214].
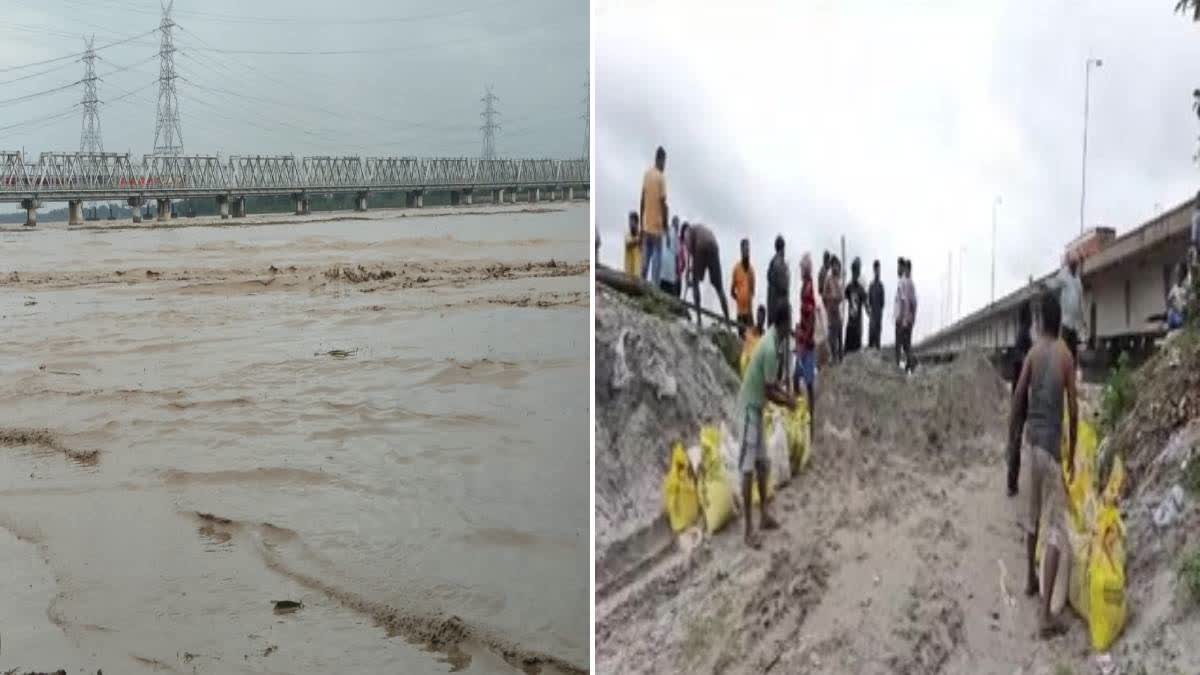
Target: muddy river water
[383,418]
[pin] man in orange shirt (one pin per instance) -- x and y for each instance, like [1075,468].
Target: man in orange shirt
[742,289]
[654,217]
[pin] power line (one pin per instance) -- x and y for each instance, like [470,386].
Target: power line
[40,72]
[44,118]
[168,137]
[76,54]
[89,136]
[490,124]
[36,94]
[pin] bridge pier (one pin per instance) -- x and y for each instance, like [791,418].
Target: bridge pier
[239,207]
[302,204]
[535,195]
[498,196]
[223,206]
[164,209]
[74,212]
[31,207]
[570,194]
[467,196]
[360,201]
[135,205]
[419,200]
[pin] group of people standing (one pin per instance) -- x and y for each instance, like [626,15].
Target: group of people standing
[671,255]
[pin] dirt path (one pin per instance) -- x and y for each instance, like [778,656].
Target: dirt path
[921,573]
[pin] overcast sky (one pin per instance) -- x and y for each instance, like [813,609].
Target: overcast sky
[414,88]
[896,124]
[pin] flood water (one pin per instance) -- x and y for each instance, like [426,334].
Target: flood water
[406,455]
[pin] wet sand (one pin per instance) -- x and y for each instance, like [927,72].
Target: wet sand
[383,417]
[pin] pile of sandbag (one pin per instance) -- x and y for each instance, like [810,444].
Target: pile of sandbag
[703,482]
[1093,562]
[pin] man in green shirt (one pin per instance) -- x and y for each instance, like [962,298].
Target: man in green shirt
[762,382]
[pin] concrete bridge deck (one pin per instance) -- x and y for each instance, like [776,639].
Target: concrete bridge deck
[1125,284]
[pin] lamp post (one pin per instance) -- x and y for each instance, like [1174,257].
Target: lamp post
[1087,81]
[995,203]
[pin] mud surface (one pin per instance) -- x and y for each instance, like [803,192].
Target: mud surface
[381,419]
[899,552]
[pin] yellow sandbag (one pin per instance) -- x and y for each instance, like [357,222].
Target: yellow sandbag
[716,491]
[1077,588]
[1081,490]
[1106,579]
[680,497]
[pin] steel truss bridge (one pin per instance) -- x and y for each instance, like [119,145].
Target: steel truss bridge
[76,177]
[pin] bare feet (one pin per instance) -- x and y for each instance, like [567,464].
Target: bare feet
[753,540]
[769,523]
[1049,629]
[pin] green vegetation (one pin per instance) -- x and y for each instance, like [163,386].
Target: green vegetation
[1119,395]
[1189,574]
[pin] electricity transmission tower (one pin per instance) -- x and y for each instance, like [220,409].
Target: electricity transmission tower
[168,139]
[587,120]
[89,138]
[490,125]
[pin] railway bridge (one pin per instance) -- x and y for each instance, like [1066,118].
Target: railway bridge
[76,177]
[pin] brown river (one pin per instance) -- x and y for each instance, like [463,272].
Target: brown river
[382,417]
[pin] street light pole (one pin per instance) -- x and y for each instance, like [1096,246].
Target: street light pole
[995,203]
[1087,81]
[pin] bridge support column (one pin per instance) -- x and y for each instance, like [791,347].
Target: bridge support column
[535,194]
[239,207]
[360,201]
[31,207]
[570,194]
[512,195]
[467,197]
[223,206]
[74,212]
[419,199]
[498,196]
[164,209]
[302,204]
[135,205]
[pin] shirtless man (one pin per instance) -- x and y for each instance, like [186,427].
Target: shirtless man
[704,256]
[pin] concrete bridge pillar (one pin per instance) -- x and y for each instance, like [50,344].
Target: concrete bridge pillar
[498,196]
[164,209]
[223,206]
[239,207]
[570,194]
[298,200]
[360,201]
[135,205]
[467,196]
[535,194]
[74,212]
[31,207]
[419,199]
[512,195]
